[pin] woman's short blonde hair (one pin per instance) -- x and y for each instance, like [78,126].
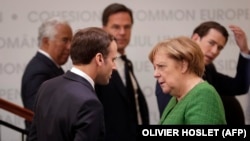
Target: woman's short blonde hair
[182,49]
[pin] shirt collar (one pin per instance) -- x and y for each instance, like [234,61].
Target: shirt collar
[84,75]
[47,55]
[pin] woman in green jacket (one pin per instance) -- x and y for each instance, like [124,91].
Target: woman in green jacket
[178,67]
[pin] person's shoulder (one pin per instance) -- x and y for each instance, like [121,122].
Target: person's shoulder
[206,87]
[54,81]
[36,60]
[207,92]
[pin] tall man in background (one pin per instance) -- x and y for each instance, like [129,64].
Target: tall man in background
[123,109]
[54,38]
[212,38]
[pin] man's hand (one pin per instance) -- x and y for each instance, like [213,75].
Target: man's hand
[240,38]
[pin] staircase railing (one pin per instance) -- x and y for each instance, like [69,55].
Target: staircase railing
[17,110]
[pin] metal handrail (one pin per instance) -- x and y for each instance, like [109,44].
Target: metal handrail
[20,130]
[17,110]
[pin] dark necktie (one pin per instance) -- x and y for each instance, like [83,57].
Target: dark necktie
[129,86]
[128,72]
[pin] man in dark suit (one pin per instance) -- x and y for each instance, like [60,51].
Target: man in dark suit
[212,38]
[123,109]
[54,43]
[67,107]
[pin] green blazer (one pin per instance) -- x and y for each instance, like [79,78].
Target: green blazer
[201,105]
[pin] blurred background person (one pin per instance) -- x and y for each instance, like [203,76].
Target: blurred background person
[54,38]
[67,107]
[179,67]
[124,103]
[212,38]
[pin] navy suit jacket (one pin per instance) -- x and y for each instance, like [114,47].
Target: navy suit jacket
[39,69]
[119,115]
[67,109]
[228,87]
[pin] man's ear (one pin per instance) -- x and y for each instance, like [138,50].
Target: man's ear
[195,37]
[99,58]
